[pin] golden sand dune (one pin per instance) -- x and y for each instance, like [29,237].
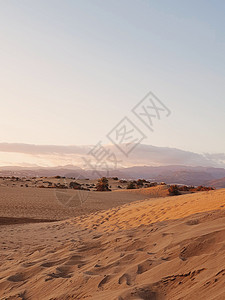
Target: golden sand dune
[154,210]
[166,248]
[151,192]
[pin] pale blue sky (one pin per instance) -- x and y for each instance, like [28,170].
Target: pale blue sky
[70,70]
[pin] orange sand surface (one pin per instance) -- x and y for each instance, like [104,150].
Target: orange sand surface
[157,248]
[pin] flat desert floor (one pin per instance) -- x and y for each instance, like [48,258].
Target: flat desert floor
[111,245]
[57,204]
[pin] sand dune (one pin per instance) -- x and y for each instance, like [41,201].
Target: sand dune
[36,203]
[165,248]
[151,192]
[154,210]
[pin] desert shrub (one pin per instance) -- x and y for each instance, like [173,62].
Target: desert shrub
[140,183]
[131,185]
[75,185]
[61,186]
[115,178]
[102,184]
[153,184]
[146,185]
[173,190]
[204,188]
[192,189]
[184,188]
[123,181]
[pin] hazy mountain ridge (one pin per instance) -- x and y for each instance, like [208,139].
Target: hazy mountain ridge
[169,174]
[217,183]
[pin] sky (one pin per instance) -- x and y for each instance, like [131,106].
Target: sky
[70,71]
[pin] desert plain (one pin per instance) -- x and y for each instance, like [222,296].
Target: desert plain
[117,245]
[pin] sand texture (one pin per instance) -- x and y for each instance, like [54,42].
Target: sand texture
[157,248]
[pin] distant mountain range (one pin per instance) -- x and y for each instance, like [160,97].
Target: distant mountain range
[217,183]
[177,174]
[165,164]
[173,174]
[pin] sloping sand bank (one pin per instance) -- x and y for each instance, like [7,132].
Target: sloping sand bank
[166,248]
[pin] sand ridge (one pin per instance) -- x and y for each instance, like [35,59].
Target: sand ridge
[148,211]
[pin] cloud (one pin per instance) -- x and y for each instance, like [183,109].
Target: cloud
[42,149]
[55,155]
[215,156]
[172,156]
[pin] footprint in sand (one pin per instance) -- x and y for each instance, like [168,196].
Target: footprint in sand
[125,278]
[104,281]
[144,266]
[61,272]
[75,260]
[192,222]
[140,293]
[28,264]
[16,278]
[50,264]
